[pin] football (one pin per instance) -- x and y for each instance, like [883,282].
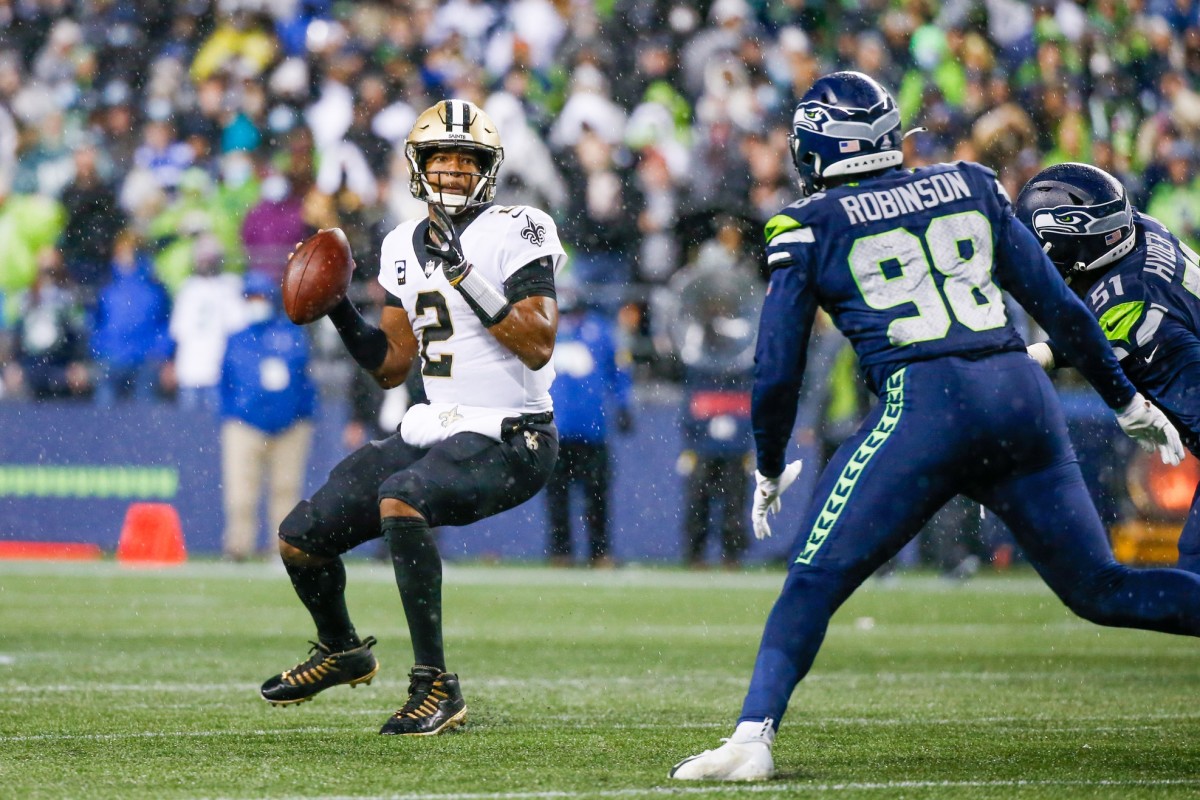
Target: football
[317,276]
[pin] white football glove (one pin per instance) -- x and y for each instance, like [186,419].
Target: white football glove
[1042,354]
[1143,422]
[766,496]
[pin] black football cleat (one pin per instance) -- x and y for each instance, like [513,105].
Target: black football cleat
[322,670]
[435,705]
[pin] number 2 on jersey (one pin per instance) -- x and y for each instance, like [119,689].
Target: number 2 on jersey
[439,331]
[892,269]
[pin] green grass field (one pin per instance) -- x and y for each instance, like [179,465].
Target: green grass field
[118,683]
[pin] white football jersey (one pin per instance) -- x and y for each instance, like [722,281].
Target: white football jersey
[461,361]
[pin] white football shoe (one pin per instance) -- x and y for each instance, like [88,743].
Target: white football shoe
[745,756]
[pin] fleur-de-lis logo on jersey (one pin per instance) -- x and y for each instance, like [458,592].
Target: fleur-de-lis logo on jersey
[535,233]
[450,417]
[531,440]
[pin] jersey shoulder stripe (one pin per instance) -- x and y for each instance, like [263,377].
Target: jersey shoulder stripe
[782,232]
[798,236]
[789,218]
[779,225]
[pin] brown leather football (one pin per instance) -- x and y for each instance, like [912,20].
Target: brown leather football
[317,276]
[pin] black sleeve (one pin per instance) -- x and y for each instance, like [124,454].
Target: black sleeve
[393,301]
[367,344]
[535,279]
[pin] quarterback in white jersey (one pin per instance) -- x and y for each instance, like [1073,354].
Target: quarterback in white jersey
[461,361]
[471,303]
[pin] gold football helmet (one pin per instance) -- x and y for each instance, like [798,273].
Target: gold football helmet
[454,125]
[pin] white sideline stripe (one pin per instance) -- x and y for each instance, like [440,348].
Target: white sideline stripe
[768,788]
[533,575]
[106,737]
[600,685]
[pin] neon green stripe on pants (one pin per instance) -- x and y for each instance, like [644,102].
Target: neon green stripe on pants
[836,502]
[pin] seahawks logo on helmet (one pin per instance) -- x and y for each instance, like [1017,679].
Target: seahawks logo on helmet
[812,117]
[1110,217]
[841,123]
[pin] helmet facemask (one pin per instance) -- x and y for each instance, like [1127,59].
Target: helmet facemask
[424,188]
[808,167]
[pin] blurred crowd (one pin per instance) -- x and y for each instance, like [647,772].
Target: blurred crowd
[152,154]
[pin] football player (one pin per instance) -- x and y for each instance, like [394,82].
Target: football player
[1140,281]
[909,263]
[471,303]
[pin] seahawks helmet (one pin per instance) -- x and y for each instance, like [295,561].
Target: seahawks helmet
[454,125]
[1080,215]
[845,124]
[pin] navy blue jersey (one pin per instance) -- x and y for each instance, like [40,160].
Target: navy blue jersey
[909,264]
[1148,305]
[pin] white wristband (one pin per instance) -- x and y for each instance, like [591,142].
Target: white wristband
[1042,354]
[477,287]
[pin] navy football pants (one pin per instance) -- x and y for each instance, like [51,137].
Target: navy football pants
[1180,399]
[991,429]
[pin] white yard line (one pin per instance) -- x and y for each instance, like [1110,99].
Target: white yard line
[532,575]
[769,788]
[600,684]
[106,737]
[564,722]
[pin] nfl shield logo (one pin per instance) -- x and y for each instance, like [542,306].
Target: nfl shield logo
[849,146]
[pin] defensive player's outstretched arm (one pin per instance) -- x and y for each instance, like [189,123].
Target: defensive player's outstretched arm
[528,330]
[1026,272]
